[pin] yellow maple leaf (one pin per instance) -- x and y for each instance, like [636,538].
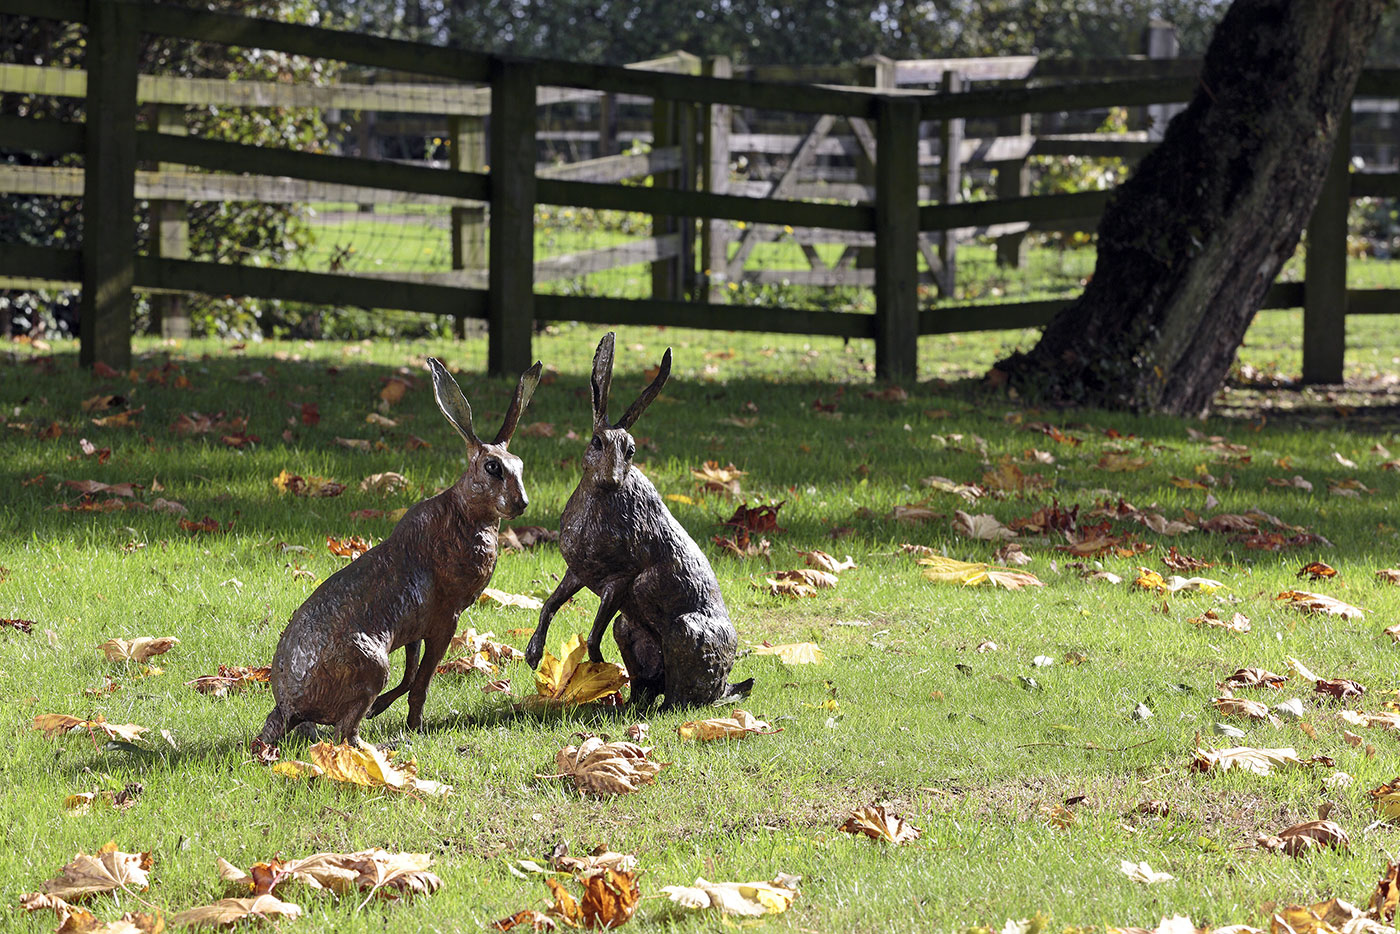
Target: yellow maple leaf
[739,724]
[569,679]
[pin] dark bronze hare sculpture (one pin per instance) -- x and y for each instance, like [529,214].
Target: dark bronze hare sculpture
[621,542]
[408,591]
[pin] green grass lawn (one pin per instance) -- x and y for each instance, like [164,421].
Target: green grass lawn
[905,711]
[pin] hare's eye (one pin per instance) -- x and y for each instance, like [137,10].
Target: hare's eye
[493,468]
[597,444]
[631,451]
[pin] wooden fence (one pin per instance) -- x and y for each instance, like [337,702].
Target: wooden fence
[695,213]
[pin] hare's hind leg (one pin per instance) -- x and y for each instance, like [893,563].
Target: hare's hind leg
[410,669]
[434,648]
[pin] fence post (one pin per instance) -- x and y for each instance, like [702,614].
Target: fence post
[950,139]
[169,316]
[1159,40]
[897,238]
[607,125]
[667,121]
[109,186]
[1013,181]
[1325,268]
[511,139]
[876,71]
[714,242]
[466,152]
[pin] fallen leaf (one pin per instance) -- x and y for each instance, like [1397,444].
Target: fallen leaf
[970,574]
[1141,872]
[351,547]
[23,625]
[795,653]
[758,519]
[609,898]
[362,765]
[1333,916]
[968,491]
[1245,709]
[742,546]
[310,486]
[536,919]
[384,484]
[601,767]
[107,870]
[1386,897]
[492,596]
[387,875]
[231,679]
[745,899]
[1386,798]
[1390,720]
[1309,602]
[1177,561]
[521,537]
[393,390]
[1249,759]
[825,562]
[737,725]
[985,527]
[53,724]
[1237,622]
[719,479]
[877,824]
[230,911]
[1117,461]
[1011,554]
[1255,677]
[137,650]
[355,444]
[569,679]
[472,641]
[1316,571]
[1150,580]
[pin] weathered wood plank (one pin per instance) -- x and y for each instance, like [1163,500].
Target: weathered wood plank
[704,204]
[1004,102]
[950,136]
[996,68]
[703,315]
[844,276]
[1014,181]
[315,287]
[1374,185]
[1096,145]
[169,316]
[511,142]
[715,235]
[19,260]
[1325,269]
[56,137]
[585,262]
[966,318]
[1373,301]
[1033,209]
[257,160]
[109,182]
[610,169]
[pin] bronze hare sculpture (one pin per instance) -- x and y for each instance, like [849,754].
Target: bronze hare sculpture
[621,542]
[408,591]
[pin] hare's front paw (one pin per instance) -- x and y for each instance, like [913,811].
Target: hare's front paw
[534,651]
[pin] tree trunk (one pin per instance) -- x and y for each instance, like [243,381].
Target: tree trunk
[1191,242]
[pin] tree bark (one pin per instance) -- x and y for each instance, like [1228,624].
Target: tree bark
[1191,242]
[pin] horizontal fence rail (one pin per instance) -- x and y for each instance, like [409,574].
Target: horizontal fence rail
[860,166]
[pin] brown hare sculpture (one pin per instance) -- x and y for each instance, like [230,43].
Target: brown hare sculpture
[408,591]
[621,542]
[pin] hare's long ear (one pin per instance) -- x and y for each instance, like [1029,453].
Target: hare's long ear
[602,380]
[453,404]
[635,410]
[529,381]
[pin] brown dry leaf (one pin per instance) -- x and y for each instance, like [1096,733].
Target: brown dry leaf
[742,546]
[297,485]
[737,725]
[384,484]
[1248,759]
[1392,631]
[23,625]
[351,547]
[107,870]
[521,537]
[471,641]
[825,562]
[355,444]
[609,898]
[1119,461]
[745,899]
[569,679]
[393,390]
[968,491]
[1386,798]
[1390,720]
[985,527]
[1386,897]
[791,584]
[914,512]
[1339,688]
[1316,571]
[137,650]
[387,875]
[812,577]
[1308,602]
[758,519]
[231,679]
[1245,709]
[1333,916]
[536,919]
[1237,622]
[492,596]
[1177,561]
[467,664]
[877,824]
[1059,817]
[362,765]
[1011,554]
[230,911]
[794,653]
[599,858]
[1164,526]
[1008,580]
[53,724]
[719,479]
[1389,575]
[602,767]
[1254,677]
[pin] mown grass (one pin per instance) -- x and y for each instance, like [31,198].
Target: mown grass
[970,755]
